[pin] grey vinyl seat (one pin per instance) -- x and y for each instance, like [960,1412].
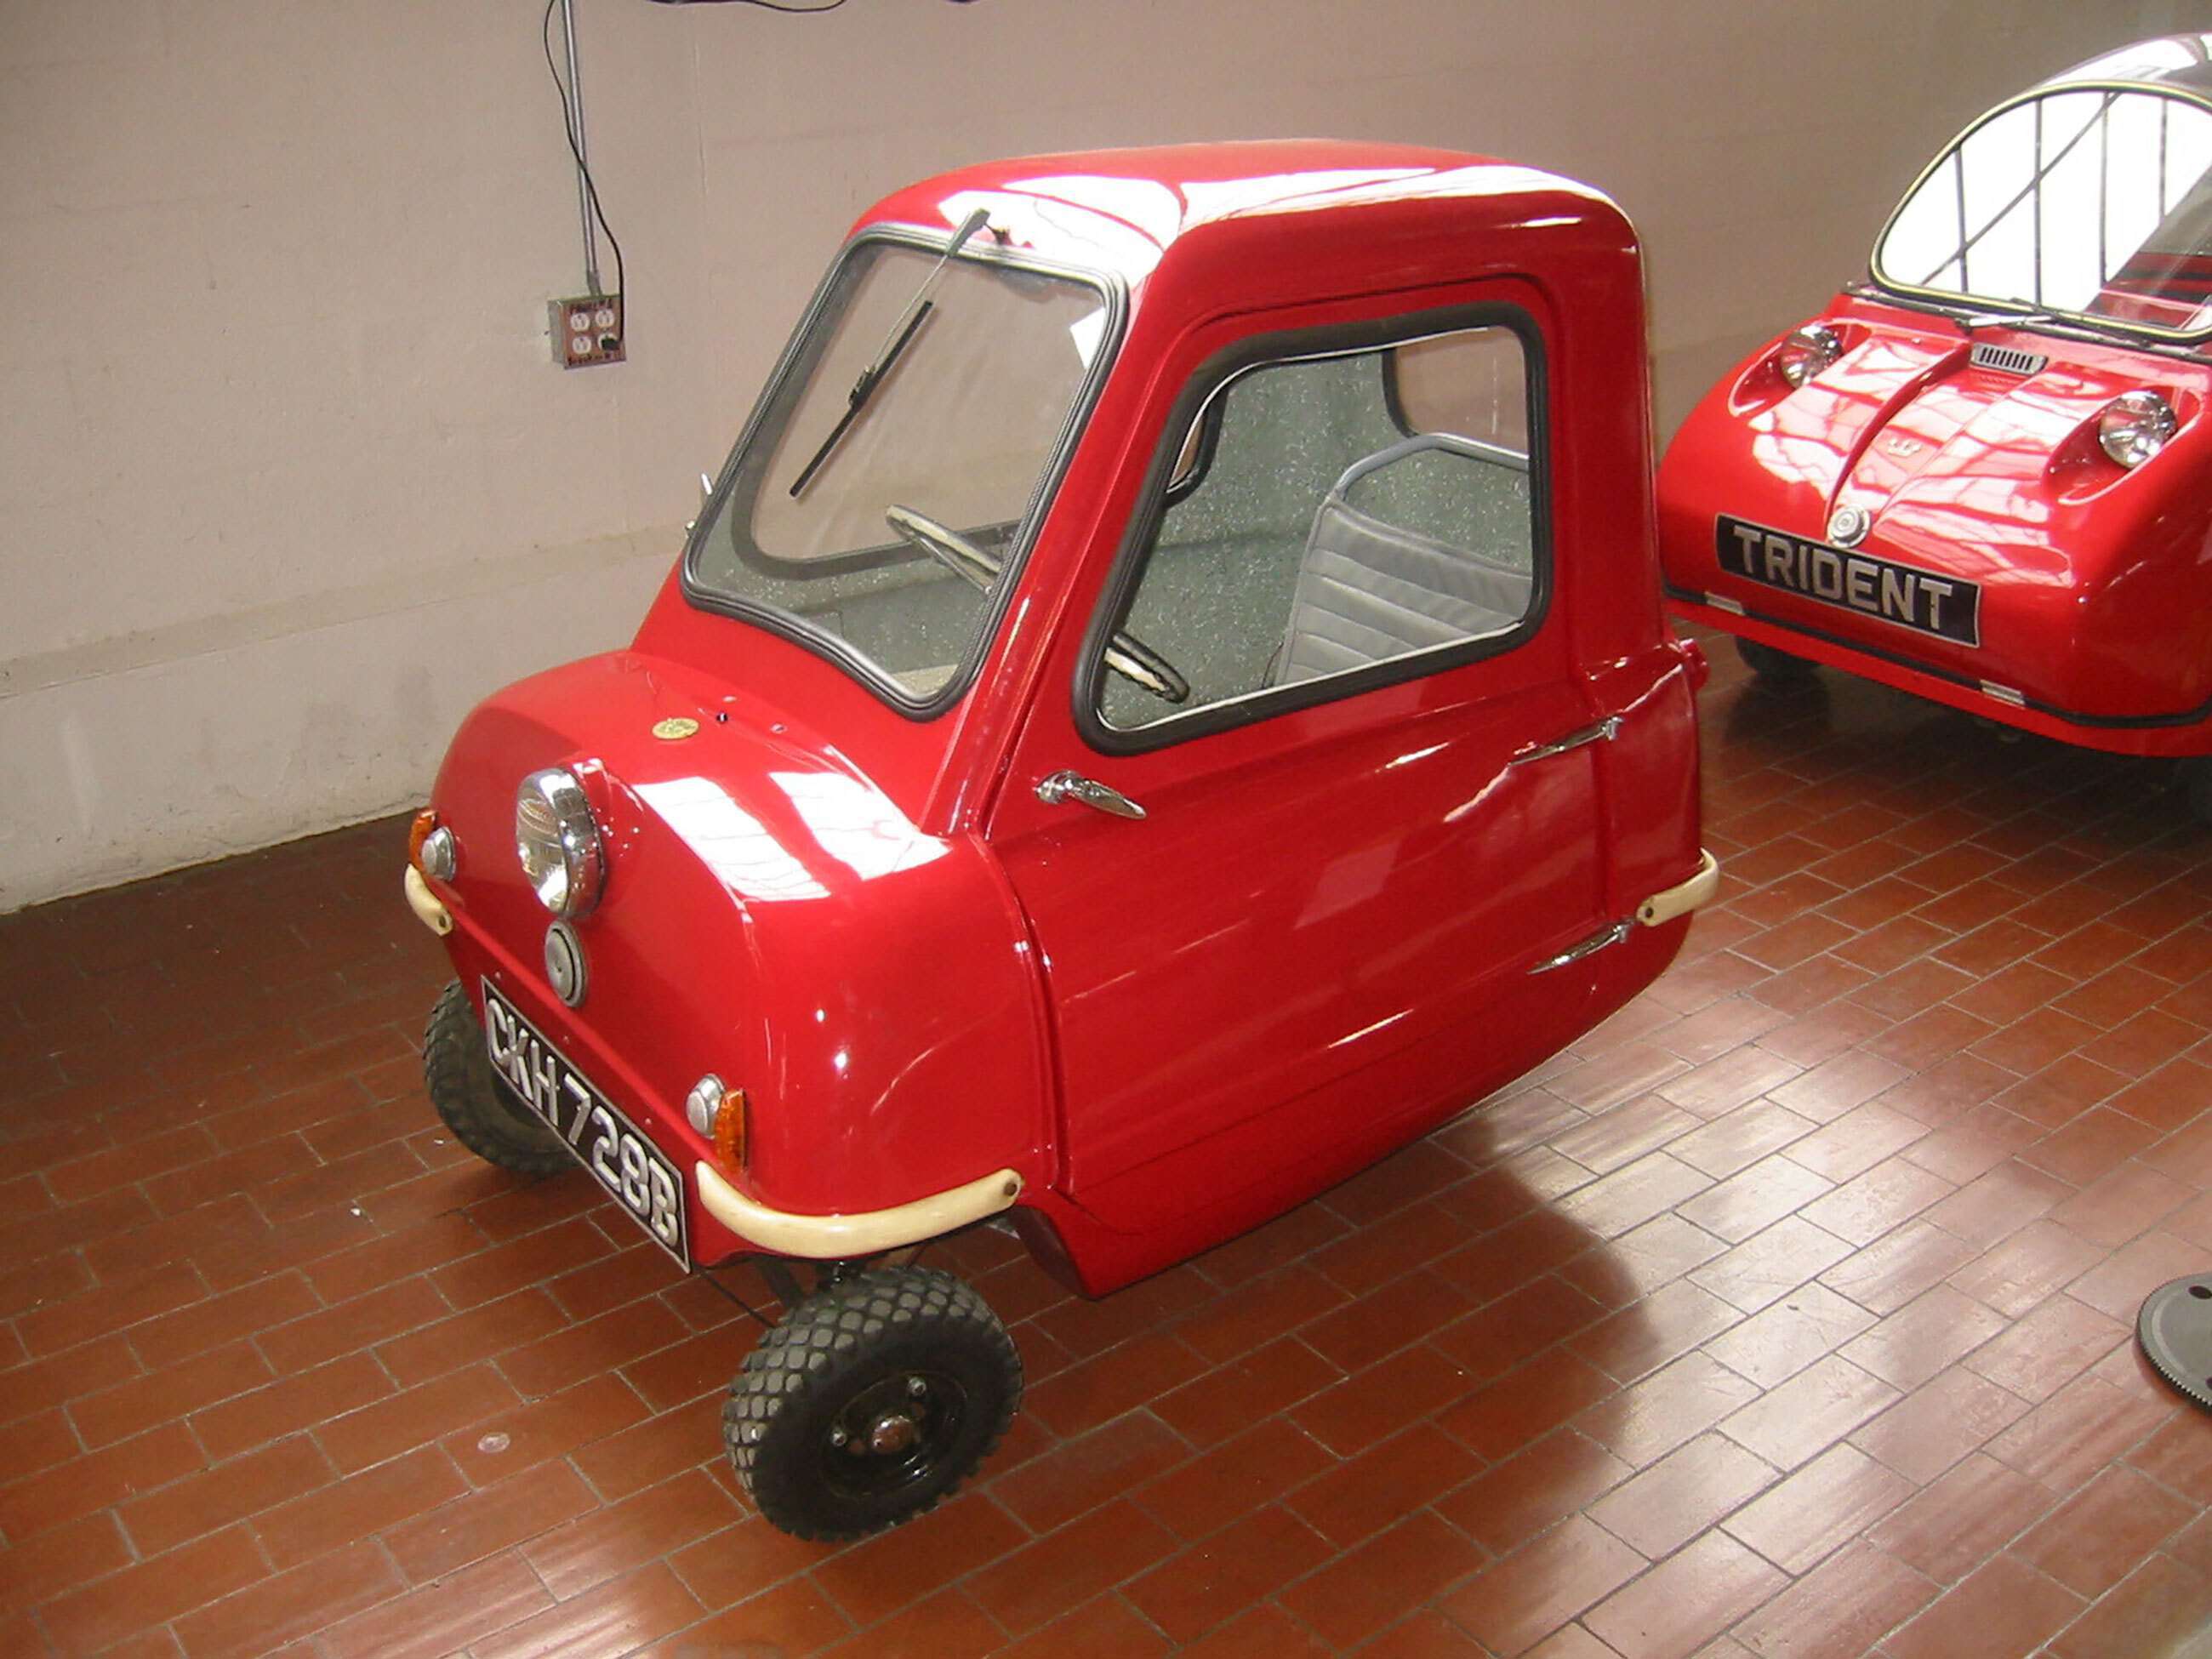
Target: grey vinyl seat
[1369,591]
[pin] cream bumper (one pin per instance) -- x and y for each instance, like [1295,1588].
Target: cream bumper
[424,903]
[865,1232]
[1680,900]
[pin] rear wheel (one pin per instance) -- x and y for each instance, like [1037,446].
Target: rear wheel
[871,1400]
[1772,664]
[470,1099]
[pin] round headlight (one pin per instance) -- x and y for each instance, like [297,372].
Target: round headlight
[2134,427]
[557,841]
[1808,351]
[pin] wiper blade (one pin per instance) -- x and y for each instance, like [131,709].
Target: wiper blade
[895,343]
[2013,318]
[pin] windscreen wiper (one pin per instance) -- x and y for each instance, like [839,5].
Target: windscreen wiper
[2010,319]
[901,335]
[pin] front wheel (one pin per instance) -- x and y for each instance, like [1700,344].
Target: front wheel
[1770,663]
[474,1106]
[2195,777]
[871,1400]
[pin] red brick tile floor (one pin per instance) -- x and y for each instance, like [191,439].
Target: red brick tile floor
[1789,1313]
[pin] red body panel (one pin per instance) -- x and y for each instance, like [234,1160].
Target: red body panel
[1307,955]
[769,916]
[2095,582]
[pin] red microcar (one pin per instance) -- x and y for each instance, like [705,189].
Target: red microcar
[1165,704]
[1983,476]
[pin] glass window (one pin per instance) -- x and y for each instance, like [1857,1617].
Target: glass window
[1332,513]
[878,499]
[2092,202]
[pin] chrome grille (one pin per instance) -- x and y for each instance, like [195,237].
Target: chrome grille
[2008,360]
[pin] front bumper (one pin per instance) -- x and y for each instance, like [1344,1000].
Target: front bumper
[2178,733]
[782,1232]
[427,909]
[867,1233]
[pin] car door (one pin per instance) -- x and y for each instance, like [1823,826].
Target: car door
[1333,669]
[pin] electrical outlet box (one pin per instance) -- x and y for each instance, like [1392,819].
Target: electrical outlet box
[587,330]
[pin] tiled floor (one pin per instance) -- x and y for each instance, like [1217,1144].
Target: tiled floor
[1791,1313]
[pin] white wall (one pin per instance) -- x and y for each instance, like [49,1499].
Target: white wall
[288,478]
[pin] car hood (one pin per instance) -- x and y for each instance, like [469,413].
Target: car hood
[767,806]
[1968,455]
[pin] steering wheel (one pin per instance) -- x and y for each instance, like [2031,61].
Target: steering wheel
[1126,654]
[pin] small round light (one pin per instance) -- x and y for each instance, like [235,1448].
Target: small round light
[564,963]
[440,855]
[703,1103]
[557,843]
[2135,426]
[1807,352]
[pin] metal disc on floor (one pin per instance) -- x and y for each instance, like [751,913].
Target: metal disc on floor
[2175,1329]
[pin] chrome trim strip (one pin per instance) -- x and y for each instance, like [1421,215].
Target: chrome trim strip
[2004,694]
[1721,602]
[867,1233]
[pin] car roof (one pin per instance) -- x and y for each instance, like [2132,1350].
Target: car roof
[2167,63]
[1270,222]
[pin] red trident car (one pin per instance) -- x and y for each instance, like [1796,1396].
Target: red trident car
[1165,704]
[1983,474]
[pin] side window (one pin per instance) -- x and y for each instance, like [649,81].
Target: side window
[1332,513]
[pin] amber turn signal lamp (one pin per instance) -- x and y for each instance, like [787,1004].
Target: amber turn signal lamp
[730,1130]
[431,848]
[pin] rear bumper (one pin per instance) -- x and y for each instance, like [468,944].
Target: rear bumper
[1683,897]
[2153,732]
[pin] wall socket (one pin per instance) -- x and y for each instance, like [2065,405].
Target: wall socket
[587,330]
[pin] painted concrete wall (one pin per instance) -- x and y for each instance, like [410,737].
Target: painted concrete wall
[288,478]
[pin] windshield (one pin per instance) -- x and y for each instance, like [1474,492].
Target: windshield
[2094,203]
[899,459]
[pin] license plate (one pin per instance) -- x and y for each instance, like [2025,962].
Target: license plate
[591,1127]
[1946,607]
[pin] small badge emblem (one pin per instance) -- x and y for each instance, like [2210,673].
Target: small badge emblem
[676,729]
[1902,446]
[1847,526]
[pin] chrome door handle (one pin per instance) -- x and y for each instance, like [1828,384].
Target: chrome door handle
[1088,792]
[1604,731]
[1589,947]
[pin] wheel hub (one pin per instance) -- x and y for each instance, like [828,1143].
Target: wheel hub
[892,1433]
